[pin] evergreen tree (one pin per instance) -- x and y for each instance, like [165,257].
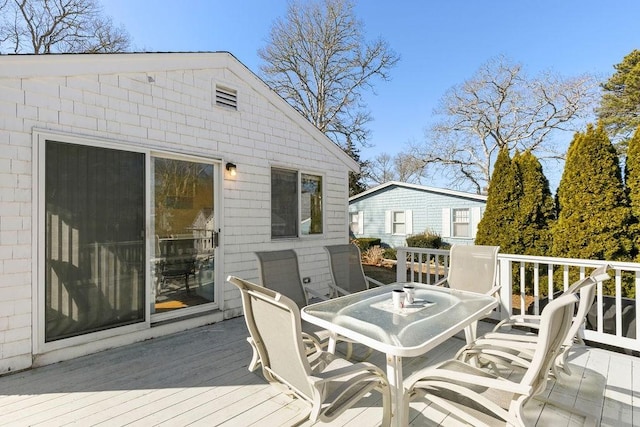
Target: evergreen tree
[536,208]
[632,186]
[594,214]
[620,103]
[498,223]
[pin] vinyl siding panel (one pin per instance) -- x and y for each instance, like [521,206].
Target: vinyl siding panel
[426,208]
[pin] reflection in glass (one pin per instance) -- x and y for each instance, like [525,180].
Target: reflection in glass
[184,229]
[311,204]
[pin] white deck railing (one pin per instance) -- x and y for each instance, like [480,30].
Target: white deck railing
[612,320]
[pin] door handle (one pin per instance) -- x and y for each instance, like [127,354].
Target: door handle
[215,239]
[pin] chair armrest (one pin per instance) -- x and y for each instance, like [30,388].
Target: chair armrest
[337,291]
[312,293]
[495,290]
[311,343]
[349,371]
[531,321]
[371,281]
[525,337]
[441,282]
[437,373]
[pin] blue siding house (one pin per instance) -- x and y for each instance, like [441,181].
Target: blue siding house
[395,210]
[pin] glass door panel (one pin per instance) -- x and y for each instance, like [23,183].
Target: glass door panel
[94,239]
[183,222]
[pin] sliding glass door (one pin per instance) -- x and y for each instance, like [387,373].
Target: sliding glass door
[94,239]
[106,263]
[184,227]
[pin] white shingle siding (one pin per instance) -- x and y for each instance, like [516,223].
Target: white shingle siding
[111,98]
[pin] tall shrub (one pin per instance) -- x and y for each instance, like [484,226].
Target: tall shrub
[498,223]
[536,208]
[632,186]
[594,215]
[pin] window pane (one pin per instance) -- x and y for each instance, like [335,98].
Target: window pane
[284,203]
[94,239]
[398,229]
[461,230]
[354,222]
[461,223]
[311,204]
[398,223]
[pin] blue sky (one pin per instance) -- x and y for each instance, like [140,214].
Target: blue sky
[441,43]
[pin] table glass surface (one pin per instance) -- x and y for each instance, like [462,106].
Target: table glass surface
[370,317]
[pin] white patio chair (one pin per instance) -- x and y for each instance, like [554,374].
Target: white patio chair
[517,347]
[480,397]
[472,268]
[280,271]
[345,263]
[329,384]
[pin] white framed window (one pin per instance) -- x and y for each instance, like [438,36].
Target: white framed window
[398,225]
[461,223]
[356,223]
[399,222]
[296,204]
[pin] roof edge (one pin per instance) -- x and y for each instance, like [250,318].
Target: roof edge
[65,64]
[456,193]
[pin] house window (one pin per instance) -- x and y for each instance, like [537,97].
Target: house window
[354,222]
[398,222]
[398,225]
[296,204]
[461,223]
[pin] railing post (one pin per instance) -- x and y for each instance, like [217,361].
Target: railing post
[506,281]
[401,265]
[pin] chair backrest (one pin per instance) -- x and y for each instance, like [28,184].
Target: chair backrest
[555,322]
[345,263]
[274,323]
[587,289]
[473,268]
[280,272]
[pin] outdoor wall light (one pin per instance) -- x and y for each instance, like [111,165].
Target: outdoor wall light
[231,167]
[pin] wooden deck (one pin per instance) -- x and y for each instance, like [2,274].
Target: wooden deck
[200,377]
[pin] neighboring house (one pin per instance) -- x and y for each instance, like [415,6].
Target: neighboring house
[119,175]
[395,210]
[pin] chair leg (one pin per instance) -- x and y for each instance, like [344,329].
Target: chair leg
[255,358]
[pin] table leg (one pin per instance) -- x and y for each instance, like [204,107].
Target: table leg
[331,347]
[395,377]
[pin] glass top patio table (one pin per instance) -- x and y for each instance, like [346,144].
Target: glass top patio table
[369,318]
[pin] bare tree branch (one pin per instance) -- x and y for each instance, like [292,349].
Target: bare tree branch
[501,107]
[48,26]
[319,62]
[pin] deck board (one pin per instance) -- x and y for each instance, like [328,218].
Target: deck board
[199,377]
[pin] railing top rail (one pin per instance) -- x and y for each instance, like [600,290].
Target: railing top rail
[430,250]
[616,265]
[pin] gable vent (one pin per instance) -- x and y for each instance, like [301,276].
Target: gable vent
[226,97]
